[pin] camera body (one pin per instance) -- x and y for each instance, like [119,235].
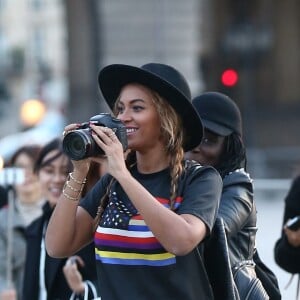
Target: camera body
[79,144]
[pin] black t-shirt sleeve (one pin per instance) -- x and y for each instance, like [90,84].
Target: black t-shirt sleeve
[201,194]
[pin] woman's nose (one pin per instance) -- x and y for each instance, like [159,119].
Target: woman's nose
[124,116]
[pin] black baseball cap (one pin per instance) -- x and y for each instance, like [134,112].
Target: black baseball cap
[218,113]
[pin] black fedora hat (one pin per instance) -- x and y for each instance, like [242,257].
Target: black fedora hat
[166,81]
[219,113]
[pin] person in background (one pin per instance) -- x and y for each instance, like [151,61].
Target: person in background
[151,209]
[223,148]
[3,196]
[27,206]
[71,267]
[287,247]
[43,276]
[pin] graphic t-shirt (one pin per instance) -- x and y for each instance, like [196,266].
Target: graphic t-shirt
[131,263]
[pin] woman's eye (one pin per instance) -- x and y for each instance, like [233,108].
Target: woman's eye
[119,109]
[209,141]
[137,108]
[205,141]
[48,170]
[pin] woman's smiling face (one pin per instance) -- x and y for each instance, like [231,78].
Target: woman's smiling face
[53,175]
[135,108]
[30,186]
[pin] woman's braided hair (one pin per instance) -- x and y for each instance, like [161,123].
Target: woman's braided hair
[173,136]
[233,156]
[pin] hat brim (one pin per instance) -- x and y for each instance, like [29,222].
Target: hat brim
[112,78]
[216,128]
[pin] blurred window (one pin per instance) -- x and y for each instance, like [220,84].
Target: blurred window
[38,41]
[2,46]
[36,4]
[2,4]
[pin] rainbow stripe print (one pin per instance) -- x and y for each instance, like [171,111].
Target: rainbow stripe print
[134,246]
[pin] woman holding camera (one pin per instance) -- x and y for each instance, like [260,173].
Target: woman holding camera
[149,213]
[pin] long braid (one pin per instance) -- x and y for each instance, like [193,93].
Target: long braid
[172,134]
[233,155]
[176,171]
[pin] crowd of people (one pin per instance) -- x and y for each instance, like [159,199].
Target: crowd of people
[33,273]
[137,221]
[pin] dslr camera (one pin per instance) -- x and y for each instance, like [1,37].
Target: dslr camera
[79,144]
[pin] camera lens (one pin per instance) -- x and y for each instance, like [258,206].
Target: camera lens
[77,144]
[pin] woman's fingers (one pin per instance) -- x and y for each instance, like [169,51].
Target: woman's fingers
[104,135]
[70,127]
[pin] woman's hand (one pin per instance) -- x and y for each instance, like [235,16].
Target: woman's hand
[83,165]
[114,155]
[72,274]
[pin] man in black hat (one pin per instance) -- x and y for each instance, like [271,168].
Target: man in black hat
[154,209]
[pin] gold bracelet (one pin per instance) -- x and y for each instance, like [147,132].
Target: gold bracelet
[69,197]
[77,181]
[67,184]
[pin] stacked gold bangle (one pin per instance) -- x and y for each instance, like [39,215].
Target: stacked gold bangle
[73,190]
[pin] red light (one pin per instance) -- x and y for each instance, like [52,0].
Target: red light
[229,77]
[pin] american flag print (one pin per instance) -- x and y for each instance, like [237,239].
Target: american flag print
[124,238]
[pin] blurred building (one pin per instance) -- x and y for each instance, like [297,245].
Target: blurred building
[129,32]
[33,57]
[53,49]
[136,32]
[260,40]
